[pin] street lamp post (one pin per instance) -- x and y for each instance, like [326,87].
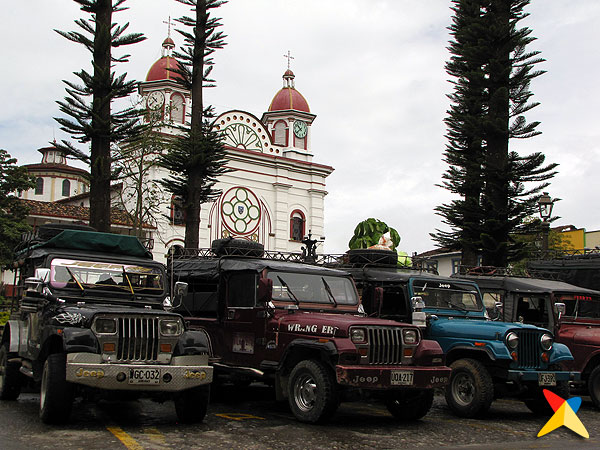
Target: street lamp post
[545,203]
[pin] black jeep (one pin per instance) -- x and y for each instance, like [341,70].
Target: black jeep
[89,319]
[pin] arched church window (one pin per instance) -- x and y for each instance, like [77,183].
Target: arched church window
[177,213]
[280,133]
[297,222]
[39,186]
[177,108]
[66,188]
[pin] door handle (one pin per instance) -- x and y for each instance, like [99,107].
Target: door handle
[231,314]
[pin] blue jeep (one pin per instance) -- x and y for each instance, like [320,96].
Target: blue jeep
[489,359]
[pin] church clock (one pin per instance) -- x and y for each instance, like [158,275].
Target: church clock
[155,100]
[300,129]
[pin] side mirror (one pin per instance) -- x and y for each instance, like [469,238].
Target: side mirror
[559,309]
[498,309]
[265,290]
[180,289]
[419,318]
[39,281]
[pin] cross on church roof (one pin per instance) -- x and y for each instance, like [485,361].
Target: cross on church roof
[289,57]
[169,23]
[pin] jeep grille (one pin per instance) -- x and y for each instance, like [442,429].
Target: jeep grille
[385,345]
[138,339]
[529,350]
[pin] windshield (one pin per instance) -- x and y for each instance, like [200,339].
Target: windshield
[447,295]
[313,288]
[581,306]
[93,275]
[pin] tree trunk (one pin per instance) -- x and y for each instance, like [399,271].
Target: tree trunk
[100,146]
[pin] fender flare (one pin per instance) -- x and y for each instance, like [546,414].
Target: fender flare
[328,349]
[482,351]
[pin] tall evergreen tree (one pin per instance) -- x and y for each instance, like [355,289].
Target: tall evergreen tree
[13,213]
[492,74]
[197,158]
[95,124]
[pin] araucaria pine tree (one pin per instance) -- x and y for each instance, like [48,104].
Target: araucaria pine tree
[95,124]
[491,73]
[197,158]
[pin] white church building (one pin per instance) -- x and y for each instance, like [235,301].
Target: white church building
[273,194]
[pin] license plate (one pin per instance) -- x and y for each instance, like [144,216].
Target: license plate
[144,376]
[402,377]
[547,379]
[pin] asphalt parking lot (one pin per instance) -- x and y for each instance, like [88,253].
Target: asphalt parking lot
[251,419]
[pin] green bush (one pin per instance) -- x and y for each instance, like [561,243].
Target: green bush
[4,317]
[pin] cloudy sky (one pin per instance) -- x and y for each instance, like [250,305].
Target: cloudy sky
[371,70]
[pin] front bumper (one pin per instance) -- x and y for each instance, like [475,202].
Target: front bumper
[184,372]
[393,377]
[534,375]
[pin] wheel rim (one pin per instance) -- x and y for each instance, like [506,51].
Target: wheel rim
[44,386]
[595,387]
[305,392]
[463,389]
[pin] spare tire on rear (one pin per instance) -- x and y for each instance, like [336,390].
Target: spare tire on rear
[373,257]
[237,247]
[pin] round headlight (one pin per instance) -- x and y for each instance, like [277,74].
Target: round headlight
[358,335]
[170,327]
[410,337]
[105,326]
[546,341]
[512,340]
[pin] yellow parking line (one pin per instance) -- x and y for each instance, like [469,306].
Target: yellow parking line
[125,439]
[155,435]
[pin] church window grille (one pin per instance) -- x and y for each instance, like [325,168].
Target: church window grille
[39,186]
[280,133]
[66,188]
[297,223]
[177,108]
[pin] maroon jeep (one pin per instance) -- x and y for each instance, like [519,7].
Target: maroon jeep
[571,312]
[302,329]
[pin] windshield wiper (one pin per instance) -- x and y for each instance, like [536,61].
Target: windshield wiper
[288,290]
[328,290]
[75,279]
[128,281]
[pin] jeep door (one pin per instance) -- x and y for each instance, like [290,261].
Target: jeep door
[244,321]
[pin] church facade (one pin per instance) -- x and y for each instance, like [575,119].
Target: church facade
[274,193]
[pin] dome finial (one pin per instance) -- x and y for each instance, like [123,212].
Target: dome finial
[168,43]
[288,76]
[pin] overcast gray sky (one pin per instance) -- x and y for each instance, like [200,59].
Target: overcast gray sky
[371,70]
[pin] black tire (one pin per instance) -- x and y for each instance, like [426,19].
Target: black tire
[312,393]
[593,385]
[410,404]
[471,390]
[56,394]
[373,257]
[11,380]
[191,405]
[537,402]
[237,247]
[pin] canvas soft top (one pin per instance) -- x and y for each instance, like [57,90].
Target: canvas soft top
[528,285]
[93,241]
[210,268]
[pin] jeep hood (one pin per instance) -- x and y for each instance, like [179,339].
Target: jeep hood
[473,329]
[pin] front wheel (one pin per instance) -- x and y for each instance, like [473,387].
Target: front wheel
[11,379]
[56,394]
[312,392]
[410,404]
[191,404]
[471,390]
[594,386]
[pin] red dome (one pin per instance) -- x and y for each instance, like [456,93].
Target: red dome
[289,98]
[160,70]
